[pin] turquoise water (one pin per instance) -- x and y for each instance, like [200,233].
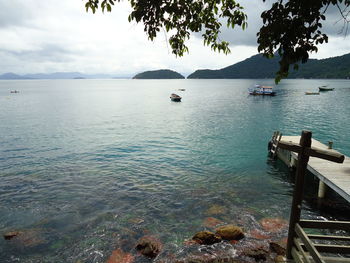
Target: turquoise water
[88,166]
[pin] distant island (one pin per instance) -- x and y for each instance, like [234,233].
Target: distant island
[159,74]
[257,67]
[59,75]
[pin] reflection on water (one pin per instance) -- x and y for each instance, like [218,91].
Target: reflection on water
[88,166]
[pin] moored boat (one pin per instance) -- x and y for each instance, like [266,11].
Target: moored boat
[262,90]
[14,91]
[325,88]
[312,93]
[175,97]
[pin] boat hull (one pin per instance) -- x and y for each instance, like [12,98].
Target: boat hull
[262,94]
[325,89]
[312,93]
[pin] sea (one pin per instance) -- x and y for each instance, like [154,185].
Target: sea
[91,166]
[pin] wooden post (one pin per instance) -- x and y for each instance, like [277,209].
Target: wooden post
[322,187]
[303,158]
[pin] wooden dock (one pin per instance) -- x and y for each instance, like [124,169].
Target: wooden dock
[335,175]
[333,169]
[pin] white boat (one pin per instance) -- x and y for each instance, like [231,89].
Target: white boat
[175,97]
[262,90]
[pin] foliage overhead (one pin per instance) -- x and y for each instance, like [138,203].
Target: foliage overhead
[181,17]
[292,28]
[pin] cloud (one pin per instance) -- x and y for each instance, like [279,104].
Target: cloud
[50,36]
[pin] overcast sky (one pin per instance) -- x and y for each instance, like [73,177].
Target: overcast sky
[44,36]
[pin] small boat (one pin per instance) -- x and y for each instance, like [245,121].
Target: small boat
[262,90]
[312,93]
[14,91]
[325,88]
[175,97]
[182,89]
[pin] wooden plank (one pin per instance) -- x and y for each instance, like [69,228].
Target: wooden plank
[326,155]
[290,146]
[334,249]
[325,237]
[338,225]
[308,244]
[336,260]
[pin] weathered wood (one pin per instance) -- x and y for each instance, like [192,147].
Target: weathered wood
[298,243]
[334,249]
[313,152]
[305,142]
[311,248]
[290,146]
[326,155]
[337,225]
[329,237]
[296,256]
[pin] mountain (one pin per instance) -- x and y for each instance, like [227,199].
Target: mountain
[159,74]
[257,67]
[10,75]
[60,75]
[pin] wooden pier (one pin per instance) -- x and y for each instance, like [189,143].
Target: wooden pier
[333,169]
[335,175]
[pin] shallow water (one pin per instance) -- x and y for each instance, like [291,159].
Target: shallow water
[87,166]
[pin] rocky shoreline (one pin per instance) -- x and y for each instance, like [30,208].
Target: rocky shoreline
[219,241]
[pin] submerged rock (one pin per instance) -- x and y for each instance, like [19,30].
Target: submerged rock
[206,238]
[277,248]
[273,224]
[119,256]
[149,246]
[26,238]
[230,232]
[258,253]
[211,222]
[216,210]
[280,259]
[12,234]
[258,234]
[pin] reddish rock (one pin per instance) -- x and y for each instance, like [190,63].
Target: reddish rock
[119,256]
[258,234]
[273,224]
[211,222]
[190,242]
[258,253]
[26,238]
[149,246]
[206,238]
[12,234]
[230,232]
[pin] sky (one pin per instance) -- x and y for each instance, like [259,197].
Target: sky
[46,36]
